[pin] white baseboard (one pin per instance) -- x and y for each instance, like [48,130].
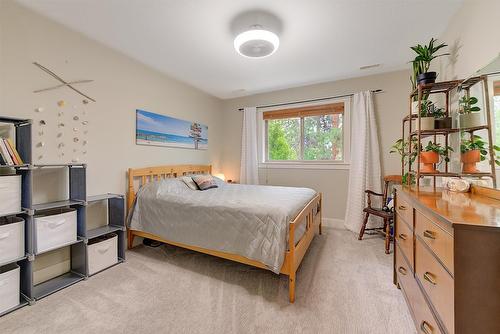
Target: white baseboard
[333,222]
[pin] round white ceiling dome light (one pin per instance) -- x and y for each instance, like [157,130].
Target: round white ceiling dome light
[256,42]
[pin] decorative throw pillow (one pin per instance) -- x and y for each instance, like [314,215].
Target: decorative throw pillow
[188,180]
[204,182]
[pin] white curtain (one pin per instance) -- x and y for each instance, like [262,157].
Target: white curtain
[364,171]
[249,173]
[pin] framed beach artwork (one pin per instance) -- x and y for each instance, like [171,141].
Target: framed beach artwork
[160,130]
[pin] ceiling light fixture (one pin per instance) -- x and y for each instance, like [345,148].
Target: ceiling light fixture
[256,42]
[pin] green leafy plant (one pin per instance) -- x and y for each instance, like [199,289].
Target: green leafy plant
[425,55]
[467,105]
[401,147]
[429,109]
[477,143]
[436,147]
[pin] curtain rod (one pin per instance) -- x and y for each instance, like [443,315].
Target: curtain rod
[310,100]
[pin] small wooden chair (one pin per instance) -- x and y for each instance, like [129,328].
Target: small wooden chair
[388,217]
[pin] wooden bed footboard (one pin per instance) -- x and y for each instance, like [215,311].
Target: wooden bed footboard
[310,215]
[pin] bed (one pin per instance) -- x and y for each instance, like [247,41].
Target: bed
[262,226]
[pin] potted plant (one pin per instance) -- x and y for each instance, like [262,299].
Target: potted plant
[422,62]
[430,156]
[441,120]
[473,151]
[428,115]
[469,112]
[401,147]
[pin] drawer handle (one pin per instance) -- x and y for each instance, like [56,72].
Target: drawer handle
[429,234]
[402,207]
[403,236]
[4,236]
[103,250]
[425,327]
[402,270]
[430,278]
[56,223]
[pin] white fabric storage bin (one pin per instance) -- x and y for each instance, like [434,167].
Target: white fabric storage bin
[11,238]
[54,228]
[10,194]
[102,253]
[9,287]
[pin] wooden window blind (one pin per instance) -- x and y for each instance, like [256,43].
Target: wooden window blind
[318,110]
[496,88]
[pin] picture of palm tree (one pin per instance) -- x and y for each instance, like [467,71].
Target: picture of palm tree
[161,130]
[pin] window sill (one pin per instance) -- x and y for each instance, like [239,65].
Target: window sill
[305,165]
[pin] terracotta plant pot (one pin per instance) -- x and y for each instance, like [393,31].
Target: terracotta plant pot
[428,159]
[470,159]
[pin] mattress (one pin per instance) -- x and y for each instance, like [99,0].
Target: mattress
[248,220]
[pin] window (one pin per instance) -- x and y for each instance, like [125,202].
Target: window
[306,134]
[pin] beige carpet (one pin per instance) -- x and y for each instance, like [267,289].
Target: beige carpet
[343,286]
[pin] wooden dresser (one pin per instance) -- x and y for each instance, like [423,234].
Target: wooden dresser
[447,259]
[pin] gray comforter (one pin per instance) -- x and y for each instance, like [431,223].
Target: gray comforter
[248,220]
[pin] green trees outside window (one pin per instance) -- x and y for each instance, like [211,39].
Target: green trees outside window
[311,138]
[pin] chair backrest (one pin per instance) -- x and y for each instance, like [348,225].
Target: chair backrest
[390,180]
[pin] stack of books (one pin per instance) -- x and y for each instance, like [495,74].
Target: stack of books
[8,153]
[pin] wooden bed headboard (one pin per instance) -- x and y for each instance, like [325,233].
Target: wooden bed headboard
[140,176]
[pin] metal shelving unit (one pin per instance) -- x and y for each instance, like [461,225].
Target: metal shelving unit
[446,88]
[78,200]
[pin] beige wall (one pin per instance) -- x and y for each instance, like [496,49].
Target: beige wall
[473,37]
[120,86]
[390,106]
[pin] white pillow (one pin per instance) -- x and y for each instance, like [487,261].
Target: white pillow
[188,180]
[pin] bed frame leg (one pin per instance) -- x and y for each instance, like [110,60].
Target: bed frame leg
[291,287]
[130,239]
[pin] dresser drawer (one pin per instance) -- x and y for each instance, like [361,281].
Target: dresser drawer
[438,240]
[404,238]
[437,283]
[422,314]
[404,209]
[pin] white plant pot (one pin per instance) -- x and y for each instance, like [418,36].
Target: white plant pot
[426,123]
[470,120]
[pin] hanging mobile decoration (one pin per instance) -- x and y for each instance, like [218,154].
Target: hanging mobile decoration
[85,101]
[61,125]
[60,113]
[40,133]
[76,118]
[76,140]
[39,109]
[64,83]
[75,129]
[61,103]
[85,122]
[59,135]
[60,146]
[40,144]
[42,122]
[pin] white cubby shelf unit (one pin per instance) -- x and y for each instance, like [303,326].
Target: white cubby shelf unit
[31,290]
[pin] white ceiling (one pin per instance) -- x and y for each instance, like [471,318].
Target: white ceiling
[321,40]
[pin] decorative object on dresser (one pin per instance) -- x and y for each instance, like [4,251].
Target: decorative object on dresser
[32,233]
[307,220]
[446,257]
[386,215]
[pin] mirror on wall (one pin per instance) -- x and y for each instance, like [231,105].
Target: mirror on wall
[478,109]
